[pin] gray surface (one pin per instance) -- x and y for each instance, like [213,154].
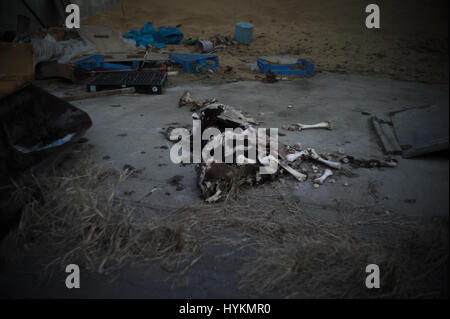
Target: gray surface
[422,130]
[336,97]
[339,98]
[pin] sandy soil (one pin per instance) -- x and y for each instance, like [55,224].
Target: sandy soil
[412,43]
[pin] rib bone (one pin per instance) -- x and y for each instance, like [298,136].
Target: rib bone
[313,154]
[326,125]
[322,178]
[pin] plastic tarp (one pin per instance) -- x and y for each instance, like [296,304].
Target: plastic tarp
[48,49]
[149,36]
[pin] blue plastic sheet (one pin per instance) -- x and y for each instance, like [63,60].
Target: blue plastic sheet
[149,36]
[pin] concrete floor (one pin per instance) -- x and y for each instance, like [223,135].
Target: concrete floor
[130,134]
[124,133]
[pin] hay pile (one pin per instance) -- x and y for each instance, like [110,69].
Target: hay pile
[73,213]
[281,250]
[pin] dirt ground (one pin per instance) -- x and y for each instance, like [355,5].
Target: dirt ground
[412,43]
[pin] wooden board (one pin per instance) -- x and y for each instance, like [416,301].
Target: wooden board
[422,130]
[16,65]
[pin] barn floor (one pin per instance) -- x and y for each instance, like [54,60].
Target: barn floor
[127,131]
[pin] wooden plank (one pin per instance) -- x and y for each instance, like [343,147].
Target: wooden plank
[422,130]
[386,134]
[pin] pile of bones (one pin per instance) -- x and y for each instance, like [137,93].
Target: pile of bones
[216,179]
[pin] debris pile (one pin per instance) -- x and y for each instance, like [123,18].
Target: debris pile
[218,178]
[221,41]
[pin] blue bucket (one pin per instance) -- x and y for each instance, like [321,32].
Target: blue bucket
[244,33]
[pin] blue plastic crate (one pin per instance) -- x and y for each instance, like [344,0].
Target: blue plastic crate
[193,62]
[302,67]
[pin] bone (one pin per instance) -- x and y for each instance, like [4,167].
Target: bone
[299,176]
[320,180]
[326,125]
[313,154]
[294,156]
[215,197]
[388,163]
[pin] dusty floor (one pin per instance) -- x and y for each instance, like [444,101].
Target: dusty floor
[126,131]
[412,43]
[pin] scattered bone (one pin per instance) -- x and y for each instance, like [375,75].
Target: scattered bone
[299,176]
[296,155]
[313,154]
[215,197]
[322,178]
[217,179]
[289,106]
[326,125]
